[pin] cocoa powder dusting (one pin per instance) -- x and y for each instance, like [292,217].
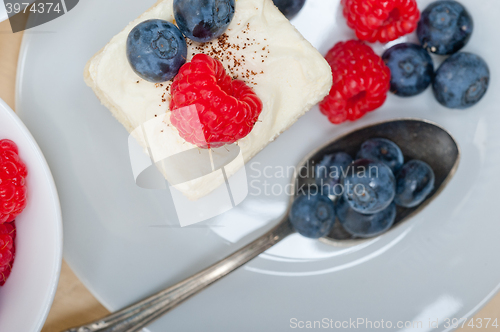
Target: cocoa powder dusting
[226,51]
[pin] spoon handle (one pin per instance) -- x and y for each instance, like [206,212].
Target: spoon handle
[137,316]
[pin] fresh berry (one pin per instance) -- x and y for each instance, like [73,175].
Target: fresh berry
[383,21]
[445,27]
[412,69]
[13,174]
[360,82]
[203,20]
[369,186]
[461,81]
[365,225]
[414,183]
[209,109]
[383,150]
[7,249]
[289,8]
[312,215]
[329,173]
[156,50]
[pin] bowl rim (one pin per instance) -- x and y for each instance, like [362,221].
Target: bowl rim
[56,270]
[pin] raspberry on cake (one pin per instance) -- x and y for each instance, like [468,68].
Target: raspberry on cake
[260,48]
[383,21]
[361,82]
[225,111]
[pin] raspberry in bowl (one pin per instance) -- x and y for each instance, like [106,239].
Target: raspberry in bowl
[13,189]
[13,173]
[7,249]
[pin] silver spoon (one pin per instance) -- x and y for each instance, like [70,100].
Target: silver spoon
[418,139]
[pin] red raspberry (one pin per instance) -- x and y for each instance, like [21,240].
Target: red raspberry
[13,174]
[222,110]
[381,20]
[360,82]
[7,249]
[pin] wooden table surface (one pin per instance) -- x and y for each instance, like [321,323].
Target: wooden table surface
[73,304]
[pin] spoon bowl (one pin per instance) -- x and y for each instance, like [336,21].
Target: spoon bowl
[418,139]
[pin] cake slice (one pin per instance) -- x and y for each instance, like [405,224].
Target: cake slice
[260,47]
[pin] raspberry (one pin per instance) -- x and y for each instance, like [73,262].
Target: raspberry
[13,174]
[7,249]
[209,109]
[360,82]
[383,21]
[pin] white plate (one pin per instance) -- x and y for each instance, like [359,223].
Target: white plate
[442,264]
[26,297]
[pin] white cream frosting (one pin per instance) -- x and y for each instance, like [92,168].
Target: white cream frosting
[260,47]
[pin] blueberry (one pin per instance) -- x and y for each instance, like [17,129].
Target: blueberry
[461,81]
[365,225]
[289,8]
[383,150]
[329,172]
[156,50]
[203,20]
[445,27]
[414,183]
[412,69]
[312,215]
[369,186]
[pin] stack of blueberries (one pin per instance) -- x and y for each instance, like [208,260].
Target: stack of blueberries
[362,194]
[445,27]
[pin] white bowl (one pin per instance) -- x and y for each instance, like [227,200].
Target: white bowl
[26,297]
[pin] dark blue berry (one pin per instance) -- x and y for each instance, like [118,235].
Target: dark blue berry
[445,27]
[369,186]
[312,215]
[412,69]
[365,225]
[414,183]
[289,8]
[329,172]
[461,81]
[156,50]
[203,20]
[383,150]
